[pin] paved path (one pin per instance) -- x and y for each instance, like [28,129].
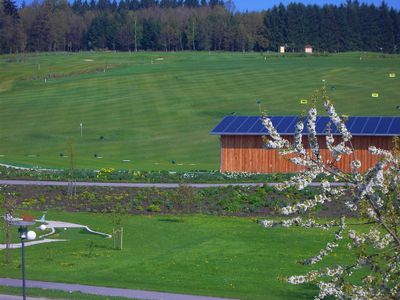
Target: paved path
[27,244]
[141,185]
[9,297]
[104,291]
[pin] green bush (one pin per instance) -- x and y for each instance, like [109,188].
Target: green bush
[153,208]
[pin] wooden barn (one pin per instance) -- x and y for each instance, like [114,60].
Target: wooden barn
[242,145]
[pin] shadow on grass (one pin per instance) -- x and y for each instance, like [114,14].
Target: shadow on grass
[305,291]
[171,220]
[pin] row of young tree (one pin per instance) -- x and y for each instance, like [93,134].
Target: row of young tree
[176,25]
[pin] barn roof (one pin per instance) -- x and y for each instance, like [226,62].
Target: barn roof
[285,125]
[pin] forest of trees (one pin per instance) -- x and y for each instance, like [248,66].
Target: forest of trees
[175,25]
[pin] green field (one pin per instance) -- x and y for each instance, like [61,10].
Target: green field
[155,108]
[204,255]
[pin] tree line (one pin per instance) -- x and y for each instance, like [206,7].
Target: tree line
[176,25]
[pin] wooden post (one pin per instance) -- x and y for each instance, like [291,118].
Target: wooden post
[121,236]
[113,235]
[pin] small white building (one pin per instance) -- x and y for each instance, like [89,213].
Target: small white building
[308,49]
[282,49]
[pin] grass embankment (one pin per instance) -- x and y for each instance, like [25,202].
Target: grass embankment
[155,108]
[218,256]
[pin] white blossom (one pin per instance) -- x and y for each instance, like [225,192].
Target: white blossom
[369,191]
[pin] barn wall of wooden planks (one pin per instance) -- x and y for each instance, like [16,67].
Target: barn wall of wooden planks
[245,153]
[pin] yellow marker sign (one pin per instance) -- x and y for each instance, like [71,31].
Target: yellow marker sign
[303,101]
[392,75]
[345,116]
[375,95]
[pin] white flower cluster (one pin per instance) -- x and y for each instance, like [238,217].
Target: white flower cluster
[310,223]
[277,141]
[312,133]
[238,175]
[301,180]
[298,137]
[340,148]
[329,289]
[355,165]
[267,223]
[299,279]
[374,237]
[376,151]
[322,253]
[330,109]
[306,205]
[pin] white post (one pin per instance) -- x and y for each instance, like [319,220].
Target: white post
[81,128]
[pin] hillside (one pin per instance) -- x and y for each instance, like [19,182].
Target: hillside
[148,110]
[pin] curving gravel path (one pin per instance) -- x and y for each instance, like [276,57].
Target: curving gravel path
[104,291]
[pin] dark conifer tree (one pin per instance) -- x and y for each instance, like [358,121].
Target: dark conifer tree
[10,8]
[191,3]
[295,26]
[385,23]
[148,3]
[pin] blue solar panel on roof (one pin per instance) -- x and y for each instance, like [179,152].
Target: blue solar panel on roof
[349,123]
[371,125]
[289,127]
[320,125]
[358,125]
[223,124]
[258,127]
[286,125]
[383,125]
[247,124]
[232,128]
[277,121]
[395,127]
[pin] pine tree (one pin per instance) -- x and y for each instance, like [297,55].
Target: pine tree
[386,36]
[295,26]
[10,9]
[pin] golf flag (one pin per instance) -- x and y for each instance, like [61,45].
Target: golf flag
[392,75]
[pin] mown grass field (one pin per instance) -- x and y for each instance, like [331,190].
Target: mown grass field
[204,255]
[155,108]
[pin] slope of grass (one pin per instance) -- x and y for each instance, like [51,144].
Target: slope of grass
[218,256]
[155,108]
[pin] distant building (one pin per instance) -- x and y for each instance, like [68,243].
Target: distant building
[282,49]
[308,49]
[242,144]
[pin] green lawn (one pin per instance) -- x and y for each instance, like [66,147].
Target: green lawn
[153,108]
[204,255]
